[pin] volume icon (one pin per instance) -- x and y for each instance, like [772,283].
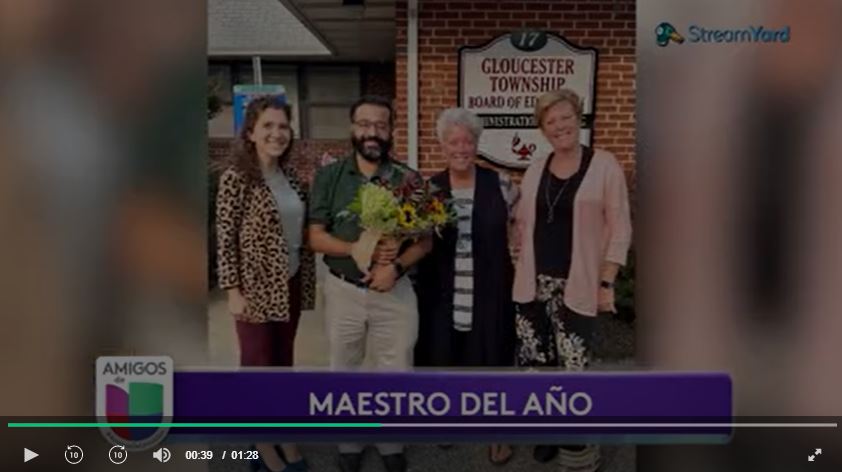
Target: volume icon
[162,455]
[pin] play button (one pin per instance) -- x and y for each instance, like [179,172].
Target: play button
[29,455]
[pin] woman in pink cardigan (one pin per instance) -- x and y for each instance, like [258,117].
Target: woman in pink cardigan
[573,234]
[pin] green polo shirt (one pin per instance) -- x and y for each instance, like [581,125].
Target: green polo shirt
[334,188]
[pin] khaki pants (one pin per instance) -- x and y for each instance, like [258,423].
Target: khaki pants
[387,323]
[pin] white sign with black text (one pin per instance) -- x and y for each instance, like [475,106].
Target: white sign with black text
[501,80]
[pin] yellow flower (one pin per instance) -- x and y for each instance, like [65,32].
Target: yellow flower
[438,215]
[407,217]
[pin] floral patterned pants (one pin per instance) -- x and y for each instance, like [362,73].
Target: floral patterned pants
[549,335]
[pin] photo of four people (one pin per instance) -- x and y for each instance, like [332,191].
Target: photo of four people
[515,277]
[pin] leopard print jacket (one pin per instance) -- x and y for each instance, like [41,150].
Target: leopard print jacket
[252,252]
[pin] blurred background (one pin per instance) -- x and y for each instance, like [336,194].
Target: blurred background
[102,192]
[739,255]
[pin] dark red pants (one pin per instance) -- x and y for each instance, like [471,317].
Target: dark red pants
[271,343]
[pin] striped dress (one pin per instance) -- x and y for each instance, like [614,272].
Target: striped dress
[463,293]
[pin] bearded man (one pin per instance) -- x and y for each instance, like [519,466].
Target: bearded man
[375,308]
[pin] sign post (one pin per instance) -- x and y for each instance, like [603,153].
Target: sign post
[501,80]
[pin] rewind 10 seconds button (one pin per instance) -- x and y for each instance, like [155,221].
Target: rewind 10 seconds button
[73,454]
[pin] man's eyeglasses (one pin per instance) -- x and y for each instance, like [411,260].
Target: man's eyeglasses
[379,126]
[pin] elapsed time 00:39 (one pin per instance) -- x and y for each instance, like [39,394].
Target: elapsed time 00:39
[198,455]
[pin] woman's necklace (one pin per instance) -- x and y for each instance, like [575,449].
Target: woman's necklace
[547,183]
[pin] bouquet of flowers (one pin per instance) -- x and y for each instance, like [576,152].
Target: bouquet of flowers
[413,209]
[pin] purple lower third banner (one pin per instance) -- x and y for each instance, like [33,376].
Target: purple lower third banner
[453,405]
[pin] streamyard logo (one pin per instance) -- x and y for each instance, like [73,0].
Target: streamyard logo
[134,390]
[665,33]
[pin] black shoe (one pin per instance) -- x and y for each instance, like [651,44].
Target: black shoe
[395,462]
[350,462]
[544,454]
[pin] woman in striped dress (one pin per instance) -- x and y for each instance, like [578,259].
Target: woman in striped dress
[465,283]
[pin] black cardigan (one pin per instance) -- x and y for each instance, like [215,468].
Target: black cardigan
[491,340]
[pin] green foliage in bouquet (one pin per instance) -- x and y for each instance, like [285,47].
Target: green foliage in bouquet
[414,208]
[376,208]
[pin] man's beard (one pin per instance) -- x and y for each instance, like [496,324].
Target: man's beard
[369,154]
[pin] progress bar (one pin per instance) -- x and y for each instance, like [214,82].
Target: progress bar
[423,425]
[195,425]
[618,425]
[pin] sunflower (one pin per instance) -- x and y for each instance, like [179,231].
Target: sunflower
[408,217]
[438,213]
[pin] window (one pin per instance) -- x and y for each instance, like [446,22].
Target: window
[329,93]
[328,122]
[320,95]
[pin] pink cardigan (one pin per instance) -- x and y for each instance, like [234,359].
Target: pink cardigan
[601,231]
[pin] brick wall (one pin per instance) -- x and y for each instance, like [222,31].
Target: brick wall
[379,79]
[444,26]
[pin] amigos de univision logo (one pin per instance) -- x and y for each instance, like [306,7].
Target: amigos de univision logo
[134,390]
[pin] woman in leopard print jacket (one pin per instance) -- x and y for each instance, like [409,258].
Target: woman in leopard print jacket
[263,264]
